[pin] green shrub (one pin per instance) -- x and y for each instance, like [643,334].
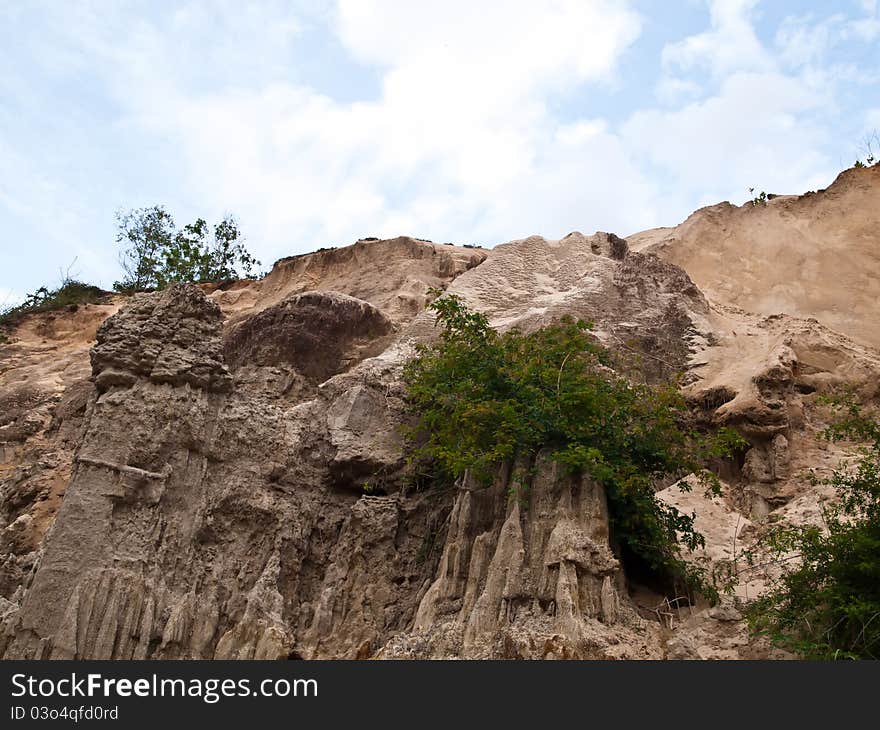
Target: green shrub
[70,292]
[759,199]
[828,605]
[480,398]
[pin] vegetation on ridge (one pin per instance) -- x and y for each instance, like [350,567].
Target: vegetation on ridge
[155,253]
[69,293]
[480,398]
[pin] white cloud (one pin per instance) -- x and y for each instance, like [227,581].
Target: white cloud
[461,122]
[463,134]
[804,40]
[55,214]
[730,44]
[501,49]
[671,90]
[755,131]
[576,133]
[866,28]
[766,122]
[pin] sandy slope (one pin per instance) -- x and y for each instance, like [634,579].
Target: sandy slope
[814,255]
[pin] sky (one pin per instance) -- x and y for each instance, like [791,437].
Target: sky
[466,121]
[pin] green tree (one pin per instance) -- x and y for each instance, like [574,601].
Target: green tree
[828,605]
[480,397]
[183,258]
[227,255]
[144,234]
[155,254]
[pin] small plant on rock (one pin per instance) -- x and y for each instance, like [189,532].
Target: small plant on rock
[70,293]
[760,199]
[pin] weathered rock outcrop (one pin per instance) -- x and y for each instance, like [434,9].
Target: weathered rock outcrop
[206,515]
[163,339]
[229,473]
[46,389]
[293,346]
[527,571]
[318,333]
[639,305]
[393,275]
[200,523]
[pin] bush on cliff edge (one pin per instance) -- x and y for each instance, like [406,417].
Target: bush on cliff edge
[480,397]
[70,293]
[156,254]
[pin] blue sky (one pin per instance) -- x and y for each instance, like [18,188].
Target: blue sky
[465,121]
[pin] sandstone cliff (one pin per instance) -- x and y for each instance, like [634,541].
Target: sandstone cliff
[182,473]
[814,255]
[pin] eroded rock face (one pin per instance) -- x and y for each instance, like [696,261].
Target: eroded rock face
[641,306]
[288,349]
[764,376]
[393,275]
[46,387]
[527,571]
[230,485]
[170,339]
[813,255]
[201,523]
[44,397]
[209,516]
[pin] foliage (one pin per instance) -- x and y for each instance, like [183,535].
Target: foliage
[69,292]
[145,234]
[480,397]
[828,606]
[760,199]
[155,253]
[869,142]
